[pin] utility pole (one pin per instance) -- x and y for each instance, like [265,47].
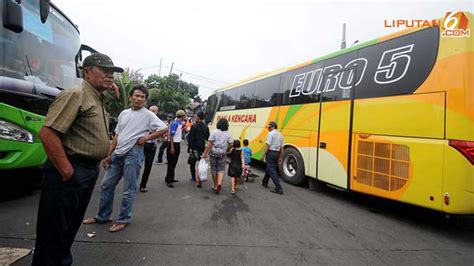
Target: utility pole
[179,80]
[171,69]
[161,62]
[343,42]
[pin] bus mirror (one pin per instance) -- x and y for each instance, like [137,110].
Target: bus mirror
[44,10]
[12,16]
[83,52]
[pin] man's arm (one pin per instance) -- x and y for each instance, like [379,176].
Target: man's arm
[55,151]
[267,147]
[141,141]
[113,145]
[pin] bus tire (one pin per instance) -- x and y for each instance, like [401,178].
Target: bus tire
[292,167]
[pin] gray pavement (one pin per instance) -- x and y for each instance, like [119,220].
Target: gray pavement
[190,226]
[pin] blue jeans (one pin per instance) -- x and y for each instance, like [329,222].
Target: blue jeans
[128,167]
[272,165]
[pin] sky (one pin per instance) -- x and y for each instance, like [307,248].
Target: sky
[215,43]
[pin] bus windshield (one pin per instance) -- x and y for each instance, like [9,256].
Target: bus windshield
[43,54]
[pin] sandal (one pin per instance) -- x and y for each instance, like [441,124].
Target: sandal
[232,192]
[117,227]
[92,220]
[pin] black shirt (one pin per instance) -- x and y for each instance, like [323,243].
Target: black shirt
[197,136]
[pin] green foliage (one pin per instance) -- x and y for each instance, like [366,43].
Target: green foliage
[113,105]
[169,93]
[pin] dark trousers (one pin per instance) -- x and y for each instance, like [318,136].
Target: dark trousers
[172,161]
[272,168]
[162,149]
[61,209]
[192,163]
[150,151]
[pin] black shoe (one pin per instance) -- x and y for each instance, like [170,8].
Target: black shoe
[174,181]
[170,185]
[277,191]
[265,185]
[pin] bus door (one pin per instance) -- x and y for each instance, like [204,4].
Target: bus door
[336,88]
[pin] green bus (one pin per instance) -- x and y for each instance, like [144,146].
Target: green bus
[40,52]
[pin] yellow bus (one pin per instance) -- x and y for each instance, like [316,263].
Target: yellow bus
[392,117]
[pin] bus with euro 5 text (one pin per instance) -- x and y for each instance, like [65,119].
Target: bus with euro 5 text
[40,51]
[392,117]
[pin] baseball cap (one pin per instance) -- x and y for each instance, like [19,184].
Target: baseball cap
[180,113]
[100,60]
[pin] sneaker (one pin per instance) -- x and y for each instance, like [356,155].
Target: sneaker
[265,185]
[170,185]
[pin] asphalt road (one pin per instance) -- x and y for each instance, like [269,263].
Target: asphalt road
[190,226]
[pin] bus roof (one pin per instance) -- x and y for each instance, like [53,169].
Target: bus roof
[334,54]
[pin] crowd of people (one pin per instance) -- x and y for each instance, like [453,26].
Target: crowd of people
[75,137]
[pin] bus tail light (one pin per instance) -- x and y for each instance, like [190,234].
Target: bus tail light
[446,198]
[466,148]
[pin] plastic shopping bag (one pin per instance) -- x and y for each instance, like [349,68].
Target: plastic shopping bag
[202,169]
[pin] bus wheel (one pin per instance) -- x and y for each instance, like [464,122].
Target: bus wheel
[292,168]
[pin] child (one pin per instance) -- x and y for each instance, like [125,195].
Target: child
[247,153]
[235,166]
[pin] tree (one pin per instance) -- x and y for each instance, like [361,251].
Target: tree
[170,93]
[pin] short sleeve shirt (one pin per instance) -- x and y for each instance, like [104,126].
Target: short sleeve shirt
[275,140]
[221,140]
[79,116]
[134,124]
[247,154]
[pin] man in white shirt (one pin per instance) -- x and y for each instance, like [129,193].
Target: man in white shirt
[125,158]
[175,136]
[273,155]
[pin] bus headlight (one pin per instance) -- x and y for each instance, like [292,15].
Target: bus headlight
[11,131]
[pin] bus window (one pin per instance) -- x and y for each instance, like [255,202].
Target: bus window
[247,96]
[211,108]
[267,92]
[229,99]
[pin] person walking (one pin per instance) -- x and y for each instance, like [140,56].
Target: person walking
[75,137]
[237,163]
[197,138]
[175,136]
[216,148]
[273,155]
[164,139]
[150,151]
[125,158]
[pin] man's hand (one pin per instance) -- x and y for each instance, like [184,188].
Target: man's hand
[280,160]
[172,150]
[263,157]
[106,162]
[141,141]
[66,173]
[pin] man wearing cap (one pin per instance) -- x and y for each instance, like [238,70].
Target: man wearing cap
[164,140]
[172,153]
[135,127]
[75,137]
[273,155]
